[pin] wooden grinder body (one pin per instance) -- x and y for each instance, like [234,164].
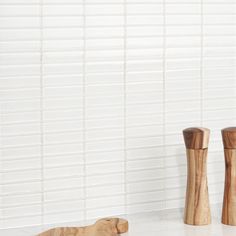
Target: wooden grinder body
[229,201]
[197,209]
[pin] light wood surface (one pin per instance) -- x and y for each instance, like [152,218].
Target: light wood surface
[197,209]
[103,227]
[196,137]
[229,201]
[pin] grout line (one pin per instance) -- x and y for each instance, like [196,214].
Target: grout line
[92,118]
[128,25]
[201,66]
[117,14]
[125,106]
[153,2]
[151,82]
[41,111]
[95,38]
[1,167]
[78,50]
[164,100]
[84,112]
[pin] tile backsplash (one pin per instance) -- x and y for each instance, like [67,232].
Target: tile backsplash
[94,95]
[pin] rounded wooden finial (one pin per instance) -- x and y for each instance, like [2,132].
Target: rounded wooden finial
[196,138]
[229,137]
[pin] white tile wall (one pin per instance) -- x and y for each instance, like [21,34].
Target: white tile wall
[94,95]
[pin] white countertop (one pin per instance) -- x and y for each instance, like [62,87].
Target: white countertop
[168,223]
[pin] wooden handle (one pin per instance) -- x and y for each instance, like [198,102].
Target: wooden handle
[103,227]
[229,202]
[197,209]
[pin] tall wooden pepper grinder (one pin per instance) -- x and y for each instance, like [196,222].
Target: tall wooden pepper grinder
[229,202]
[197,209]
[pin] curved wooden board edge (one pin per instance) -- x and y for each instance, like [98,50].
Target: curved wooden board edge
[103,227]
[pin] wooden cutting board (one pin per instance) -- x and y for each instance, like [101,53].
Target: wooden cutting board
[103,227]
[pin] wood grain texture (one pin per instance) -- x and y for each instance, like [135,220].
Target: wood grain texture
[229,137]
[103,227]
[197,209]
[196,138]
[229,201]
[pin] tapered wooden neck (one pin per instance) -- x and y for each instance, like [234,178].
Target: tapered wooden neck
[229,137]
[196,138]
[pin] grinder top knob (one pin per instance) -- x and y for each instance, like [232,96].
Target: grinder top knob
[196,137]
[229,137]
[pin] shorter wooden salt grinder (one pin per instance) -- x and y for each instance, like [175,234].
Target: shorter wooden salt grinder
[229,202]
[197,209]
